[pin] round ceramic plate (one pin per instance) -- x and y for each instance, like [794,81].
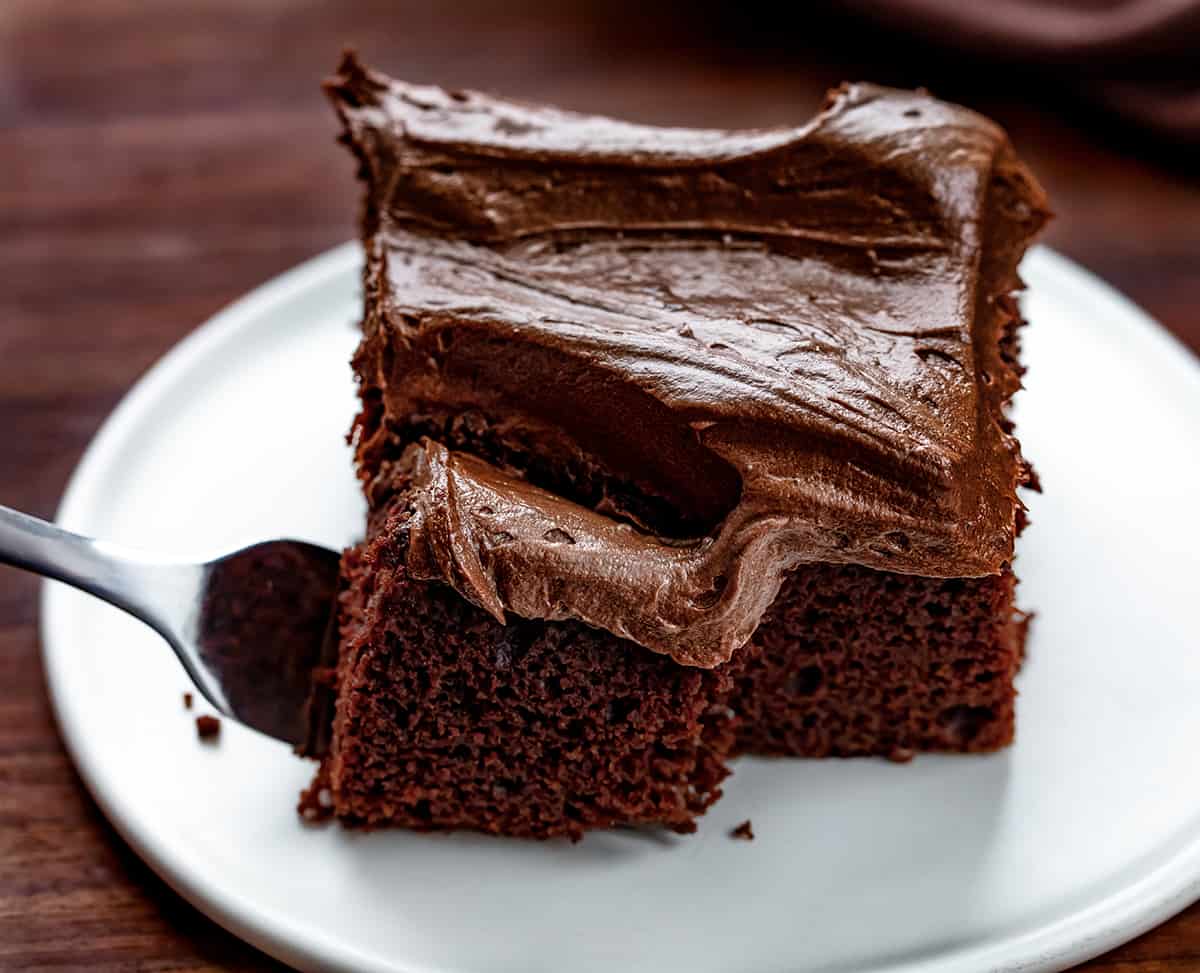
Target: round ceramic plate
[1082,835]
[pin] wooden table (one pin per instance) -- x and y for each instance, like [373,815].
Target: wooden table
[158,159]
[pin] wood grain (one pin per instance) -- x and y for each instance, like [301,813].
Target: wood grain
[159,159]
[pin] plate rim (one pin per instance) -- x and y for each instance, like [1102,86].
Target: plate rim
[1073,938]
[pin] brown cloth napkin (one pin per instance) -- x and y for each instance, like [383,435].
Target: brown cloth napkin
[1138,58]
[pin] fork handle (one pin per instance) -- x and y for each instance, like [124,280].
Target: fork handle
[118,576]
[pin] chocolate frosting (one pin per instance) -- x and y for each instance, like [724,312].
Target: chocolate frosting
[791,336]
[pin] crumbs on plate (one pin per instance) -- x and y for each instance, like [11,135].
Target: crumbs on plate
[208,727]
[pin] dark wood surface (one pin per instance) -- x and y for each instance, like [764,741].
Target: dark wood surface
[159,159]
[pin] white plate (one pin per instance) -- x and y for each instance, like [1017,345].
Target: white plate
[1081,836]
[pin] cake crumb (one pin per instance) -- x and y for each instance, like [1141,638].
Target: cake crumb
[187,700]
[316,801]
[743,832]
[208,727]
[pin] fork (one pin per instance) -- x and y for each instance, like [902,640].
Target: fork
[252,628]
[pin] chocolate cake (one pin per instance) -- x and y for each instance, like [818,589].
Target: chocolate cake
[676,444]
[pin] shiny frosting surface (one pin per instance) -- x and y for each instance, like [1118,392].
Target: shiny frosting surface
[792,336]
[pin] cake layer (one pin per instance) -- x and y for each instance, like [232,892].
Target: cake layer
[773,343]
[447,718]
[851,662]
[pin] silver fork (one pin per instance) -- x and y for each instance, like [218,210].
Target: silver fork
[252,627]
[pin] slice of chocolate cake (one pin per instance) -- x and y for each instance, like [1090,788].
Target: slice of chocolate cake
[675,442]
[449,718]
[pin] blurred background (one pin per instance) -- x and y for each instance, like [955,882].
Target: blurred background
[158,158]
